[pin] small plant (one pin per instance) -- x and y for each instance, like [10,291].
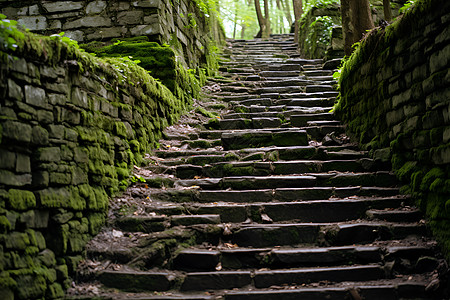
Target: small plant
[407,6]
[9,34]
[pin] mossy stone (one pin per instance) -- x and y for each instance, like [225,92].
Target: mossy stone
[21,199]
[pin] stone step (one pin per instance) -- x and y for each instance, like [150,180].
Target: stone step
[336,179]
[321,78]
[244,139]
[348,151]
[263,195]
[192,259]
[383,289]
[318,73]
[338,234]
[289,81]
[219,165]
[266,279]
[302,61]
[306,102]
[281,167]
[303,119]
[319,88]
[309,94]
[405,215]
[279,73]
[253,123]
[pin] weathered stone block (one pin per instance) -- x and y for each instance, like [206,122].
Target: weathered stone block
[14,90]
[20,65]
[130,17]
[109,109]
[70,116]
[56,131]
[95,7]
[61,88]
[394,117]
[49,154]
[57,99]
[440,59]
[7,159]
[76,35]
[60,178]
[33,22]
[90,21]
[105,33]
[147,3]
[401,98]
[145,30]
[54,24]
[70,134]
[79,176]
[23,164]
[40,136]
[44,116]
[17,131]
[79,97]
[62,6]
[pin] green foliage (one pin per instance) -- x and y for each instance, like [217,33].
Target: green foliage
[68,41]
[9,34]
[407,6]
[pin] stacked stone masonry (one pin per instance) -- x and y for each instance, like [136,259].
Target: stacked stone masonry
[69,135]
[395,100]
[178,23]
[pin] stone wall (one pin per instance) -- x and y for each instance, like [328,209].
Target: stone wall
[395,100]
[179,23]
[71,128]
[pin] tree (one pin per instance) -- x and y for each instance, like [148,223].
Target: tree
[356,20]
[263,21]
[298,11]
[387,10]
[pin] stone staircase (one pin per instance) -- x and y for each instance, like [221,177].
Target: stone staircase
[270,200]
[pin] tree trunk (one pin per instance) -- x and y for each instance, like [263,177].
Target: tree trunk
[287,11]
[261,20]
[356,20]
[267,19]
[387,10]
[298,11]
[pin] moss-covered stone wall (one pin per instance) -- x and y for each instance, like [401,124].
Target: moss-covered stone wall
[71,128]
[394,98]
[188,26]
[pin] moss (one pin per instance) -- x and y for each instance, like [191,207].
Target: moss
[204,112]
[430,177]
[159,182]
[405,172]
[5,225]
[21,199]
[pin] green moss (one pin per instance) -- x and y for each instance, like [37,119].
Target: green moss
[405,172]
[204,112]
[430,177]
[21,199]
[5,225]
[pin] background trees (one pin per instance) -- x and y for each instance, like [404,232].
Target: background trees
[356,20]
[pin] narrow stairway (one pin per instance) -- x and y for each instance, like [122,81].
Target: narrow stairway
[268,201]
